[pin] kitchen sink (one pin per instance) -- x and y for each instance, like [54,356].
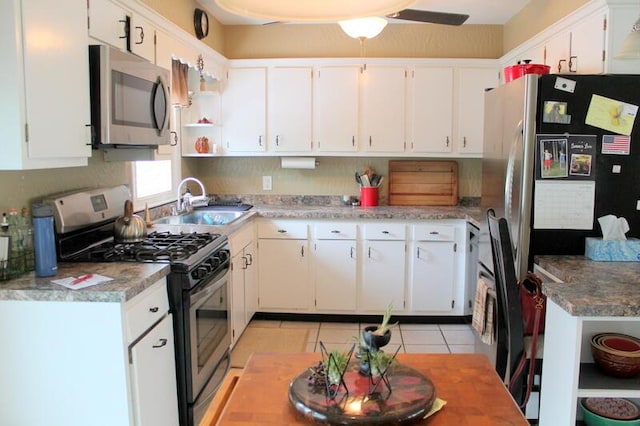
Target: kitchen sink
[202,217]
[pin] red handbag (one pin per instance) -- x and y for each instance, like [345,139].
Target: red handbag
[532,301]
[534,305]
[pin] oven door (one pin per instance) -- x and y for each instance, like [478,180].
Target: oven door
[209,330]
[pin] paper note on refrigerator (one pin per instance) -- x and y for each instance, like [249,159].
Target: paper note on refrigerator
[610,114]
[564,205]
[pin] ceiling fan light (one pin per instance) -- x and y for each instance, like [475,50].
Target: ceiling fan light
[312,10]
[630,47]
[363,27]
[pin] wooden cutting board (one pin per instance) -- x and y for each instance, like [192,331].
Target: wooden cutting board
[423,183]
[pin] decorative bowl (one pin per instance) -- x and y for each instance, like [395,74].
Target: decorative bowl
[609,412]
[621,344]
[614,361]
[375,341]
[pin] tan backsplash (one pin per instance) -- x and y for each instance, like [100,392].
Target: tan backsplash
[332,176]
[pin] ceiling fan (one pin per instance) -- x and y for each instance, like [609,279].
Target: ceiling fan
[336,10]
[428,16]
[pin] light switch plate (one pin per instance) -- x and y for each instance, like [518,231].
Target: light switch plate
[267,183]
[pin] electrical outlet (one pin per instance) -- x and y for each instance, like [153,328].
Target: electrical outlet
[267,183]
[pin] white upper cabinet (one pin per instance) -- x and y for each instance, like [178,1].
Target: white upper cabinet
[289,109]
[431,113]
[108,23]
[383,91]
[142,40]
[471,86]
[587,45]
[244,110]
[335,108]
[44,113]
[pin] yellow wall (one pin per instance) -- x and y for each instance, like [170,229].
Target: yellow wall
[535,17]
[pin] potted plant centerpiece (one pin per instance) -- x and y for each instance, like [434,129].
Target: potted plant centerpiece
[377,336]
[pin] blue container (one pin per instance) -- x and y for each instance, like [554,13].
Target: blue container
[44,244]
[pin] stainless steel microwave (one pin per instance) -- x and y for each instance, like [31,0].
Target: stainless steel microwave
[129,99]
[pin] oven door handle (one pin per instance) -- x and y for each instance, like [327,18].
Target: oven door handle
[206,291]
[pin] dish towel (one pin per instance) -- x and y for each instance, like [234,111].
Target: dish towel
[484,312]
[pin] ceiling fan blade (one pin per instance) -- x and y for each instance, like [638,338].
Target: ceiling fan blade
[430,16]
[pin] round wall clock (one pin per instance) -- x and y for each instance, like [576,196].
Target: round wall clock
[201,23]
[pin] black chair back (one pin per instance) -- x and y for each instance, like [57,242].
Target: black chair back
[510,326]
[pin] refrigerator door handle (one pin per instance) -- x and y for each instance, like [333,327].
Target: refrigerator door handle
[508,183]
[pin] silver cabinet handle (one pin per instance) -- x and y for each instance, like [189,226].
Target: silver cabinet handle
[418,253]
[277,140]
[175,139]
[369,254]
[260,140]
[154,309]
[351,252]
[163,342]
[302,251]
[245,262]
[434,233]
[571,63]
[369,140]
[385,232]
[282,231]
[125,28]
[464,141]
[249,259]
[141,35]
[560,64]
[353,141]
[447,141]
[335,231]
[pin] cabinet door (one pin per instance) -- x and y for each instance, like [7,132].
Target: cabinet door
[283,272]
[107,23]
[153,377]
[432,110]
[432,276]
[383,108]
[53,75]
[587,45]
[472,84]
[335,109]
[557,52]
[335,274]
[289,109]
[238,306]
[142,38]
[250,281]
[244,110]
[383,276]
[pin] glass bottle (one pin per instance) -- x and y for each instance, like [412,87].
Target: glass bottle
[16,251]
[27,240]
[5,241]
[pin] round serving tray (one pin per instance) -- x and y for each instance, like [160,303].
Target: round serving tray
[411,397]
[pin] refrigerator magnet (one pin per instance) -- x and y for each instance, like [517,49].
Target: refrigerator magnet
[555,112]
[565,84]
[616,144]
[611,114]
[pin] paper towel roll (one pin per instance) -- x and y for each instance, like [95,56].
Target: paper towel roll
[298,162]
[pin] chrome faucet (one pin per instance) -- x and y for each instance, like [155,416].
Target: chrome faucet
[187,201]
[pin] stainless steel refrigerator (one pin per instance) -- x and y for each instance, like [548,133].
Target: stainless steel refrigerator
[560,151]
[589,128]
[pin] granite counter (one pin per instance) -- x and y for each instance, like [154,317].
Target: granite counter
[129,280]
[592,288]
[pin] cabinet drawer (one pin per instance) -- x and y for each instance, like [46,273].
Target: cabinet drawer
[336,231]
[145,309]
[283,229]
[434,233]
[385,231]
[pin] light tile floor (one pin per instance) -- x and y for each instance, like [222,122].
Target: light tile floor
[412,338]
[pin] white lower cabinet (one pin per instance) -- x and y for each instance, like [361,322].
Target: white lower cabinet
[335,264]
[433,250]
[89,363]
[383,267]
[360,267]
[283,266]
[244,296]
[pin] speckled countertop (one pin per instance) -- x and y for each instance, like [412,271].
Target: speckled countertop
[591,288]
[129,279]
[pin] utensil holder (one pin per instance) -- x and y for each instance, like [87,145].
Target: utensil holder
[368,196]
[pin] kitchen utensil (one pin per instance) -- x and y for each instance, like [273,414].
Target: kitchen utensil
[130,228]
[516,71]
[365,180]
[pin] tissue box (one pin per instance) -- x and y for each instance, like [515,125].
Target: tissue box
[611,250]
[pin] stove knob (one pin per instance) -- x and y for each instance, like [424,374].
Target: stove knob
[201,272]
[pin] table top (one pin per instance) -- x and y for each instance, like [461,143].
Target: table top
[474,393]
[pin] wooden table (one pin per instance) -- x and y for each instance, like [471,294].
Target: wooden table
[474,393]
